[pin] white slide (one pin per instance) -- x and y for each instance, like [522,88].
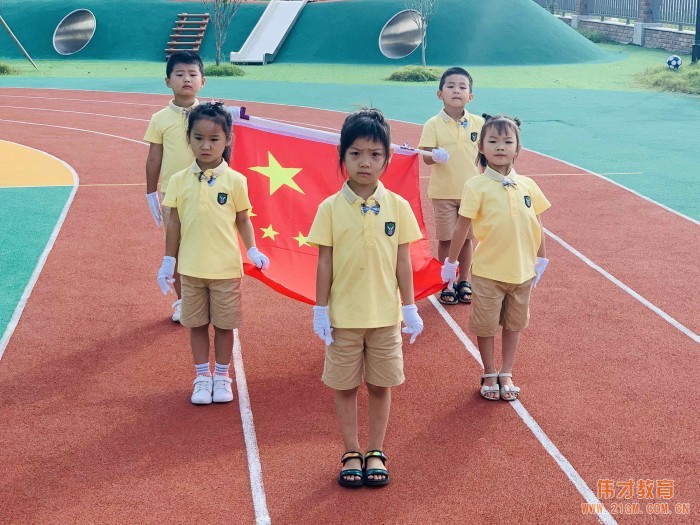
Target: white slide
[269,33]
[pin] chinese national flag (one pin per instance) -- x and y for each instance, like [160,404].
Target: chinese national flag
[290,170]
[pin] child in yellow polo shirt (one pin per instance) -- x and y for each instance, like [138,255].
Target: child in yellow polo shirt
[452,136]
[504,209]
[209,208]
[363,233]
[169,152]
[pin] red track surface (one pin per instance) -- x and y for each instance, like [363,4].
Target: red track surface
[98,428]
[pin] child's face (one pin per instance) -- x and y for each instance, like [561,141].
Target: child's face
[455,92]
[185,80]
[500,150]
[208,141]
[365,161]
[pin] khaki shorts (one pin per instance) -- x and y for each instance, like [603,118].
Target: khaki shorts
[495,303]
[377,350]
[215,301]
[446,215]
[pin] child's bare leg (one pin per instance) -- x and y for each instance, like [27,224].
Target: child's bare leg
[199,338]
[510,347]
[465,260]
[486,350]
[223,345]
[346,412]
[379,407]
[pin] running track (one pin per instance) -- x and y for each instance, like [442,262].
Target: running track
[94,383]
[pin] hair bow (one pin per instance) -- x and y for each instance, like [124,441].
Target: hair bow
[374,208]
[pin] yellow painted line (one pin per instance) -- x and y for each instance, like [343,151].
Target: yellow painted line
[23,166]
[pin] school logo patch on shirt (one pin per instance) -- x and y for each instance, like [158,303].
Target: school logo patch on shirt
[389,228]
[221,198]
[475,135]
[528,201]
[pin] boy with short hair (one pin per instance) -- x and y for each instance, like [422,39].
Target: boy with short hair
[452,136]
[169,151]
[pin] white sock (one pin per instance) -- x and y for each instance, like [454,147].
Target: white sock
[203,369]
[221,370]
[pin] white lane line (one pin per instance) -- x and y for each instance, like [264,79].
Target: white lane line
[603,515]
[75,112]
[658,311]
[74,129]
[19,309]
[262,517]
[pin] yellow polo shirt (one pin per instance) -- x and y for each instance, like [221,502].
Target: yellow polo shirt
[461,140]
[169,128]
[364,291]
[505,224]
[208,234]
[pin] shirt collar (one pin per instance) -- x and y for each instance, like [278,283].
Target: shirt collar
[494,175]
[216,172]
[353,198]
[178,109]
[445,117]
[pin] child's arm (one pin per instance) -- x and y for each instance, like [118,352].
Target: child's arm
[427,158]
[172,245]
[459,236]
[153,162]
[404,274]
[324,275]
[245,228]
[404,277]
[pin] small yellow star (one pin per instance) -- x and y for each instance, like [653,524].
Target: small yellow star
[251,214]
[269,232]
[279,175]
[301,239]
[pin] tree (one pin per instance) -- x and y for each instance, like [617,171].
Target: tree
[421,12]
[221,12]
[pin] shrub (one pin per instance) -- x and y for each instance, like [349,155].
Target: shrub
[6,70]
[686,80]
[223,70]
[596,36]
[415,74]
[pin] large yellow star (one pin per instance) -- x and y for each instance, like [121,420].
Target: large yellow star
[301,239]
[279,175]
[269,232]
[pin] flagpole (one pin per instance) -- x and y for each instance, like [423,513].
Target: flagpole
[12,35]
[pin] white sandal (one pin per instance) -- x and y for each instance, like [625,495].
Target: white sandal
[493,389]
[506,390]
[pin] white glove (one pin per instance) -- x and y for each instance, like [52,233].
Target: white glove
[413,322]
[440,155]
[154,204]
[540,266]
[322,324]
[449,271]
[258,258]
[165,275]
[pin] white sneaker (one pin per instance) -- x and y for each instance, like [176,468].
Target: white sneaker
[202,390]
[222,389]
[177,310]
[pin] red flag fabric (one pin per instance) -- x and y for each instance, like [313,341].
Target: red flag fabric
[290,170]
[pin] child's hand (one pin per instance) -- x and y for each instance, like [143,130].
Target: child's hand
[154,205]
[322,324]
[413,322]
[165,275]
[258,258]
[540,266]
[440,155]
[449,271]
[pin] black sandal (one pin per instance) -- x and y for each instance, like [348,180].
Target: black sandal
[464,292]
[351,471]
[448,296]
[376,471]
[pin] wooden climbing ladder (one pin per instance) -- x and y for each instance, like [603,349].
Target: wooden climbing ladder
[188,33]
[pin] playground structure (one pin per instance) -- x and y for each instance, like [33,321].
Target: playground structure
[269,33]
[188,33]
[401,35]
[16,41]
[74,32]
